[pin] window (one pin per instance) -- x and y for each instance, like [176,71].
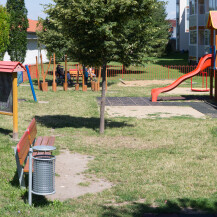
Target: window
[192,7]
[201,6]
[186,19]
[206,6]
[201,37]
[207,37]
[193,37]
[211,5]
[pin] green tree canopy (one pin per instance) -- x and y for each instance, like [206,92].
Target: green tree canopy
[101,31]
[18,30]
[51,36]
[4,31]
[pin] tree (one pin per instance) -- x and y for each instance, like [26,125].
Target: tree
[160,31]
[51,36]
[101,31]
[4,31]
[18,30]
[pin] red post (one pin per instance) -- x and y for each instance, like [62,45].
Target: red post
[168,72]
[122,71]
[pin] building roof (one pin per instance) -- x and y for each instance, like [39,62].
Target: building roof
[212,20]
[172,22]
[33,26]
[9,66]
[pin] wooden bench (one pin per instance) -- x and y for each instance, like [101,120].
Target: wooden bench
[74,73]
[22,149]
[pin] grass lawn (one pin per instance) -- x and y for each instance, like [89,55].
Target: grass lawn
[161,165]
[156,165]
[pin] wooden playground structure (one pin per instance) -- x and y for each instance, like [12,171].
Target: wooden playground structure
[75,73]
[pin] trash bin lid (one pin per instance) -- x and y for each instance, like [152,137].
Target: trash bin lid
[43,148]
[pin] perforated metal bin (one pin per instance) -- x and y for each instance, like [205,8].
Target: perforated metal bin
[43,173]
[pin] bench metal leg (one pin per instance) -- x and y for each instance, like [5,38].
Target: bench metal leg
[19,170]
[30,177]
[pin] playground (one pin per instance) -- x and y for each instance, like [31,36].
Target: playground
[157,155]
[141,165]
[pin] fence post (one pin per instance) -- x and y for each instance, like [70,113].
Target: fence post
[122,71]
[168,72]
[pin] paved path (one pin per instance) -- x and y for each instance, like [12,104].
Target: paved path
[201,104]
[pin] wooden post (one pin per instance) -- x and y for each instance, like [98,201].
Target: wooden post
[15,106]
[47,68]
[44,85]
[83,84]
[212,70]
[54,85]
[38,74]
[65,85]
[42,68]
[99,78]
[77,78]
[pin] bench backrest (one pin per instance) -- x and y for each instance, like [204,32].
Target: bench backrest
[23,147]
[26,140]
[75,72]
[32,130]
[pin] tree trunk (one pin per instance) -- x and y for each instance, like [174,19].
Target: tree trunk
[102,104]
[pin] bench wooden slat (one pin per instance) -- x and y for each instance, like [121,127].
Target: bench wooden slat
[32,130]
[23,147]
[45,140]
[38,141]
[51,141]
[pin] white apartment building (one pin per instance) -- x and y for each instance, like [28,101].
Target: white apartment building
[192,16]
[182,25]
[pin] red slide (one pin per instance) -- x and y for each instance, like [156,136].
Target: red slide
[204,63]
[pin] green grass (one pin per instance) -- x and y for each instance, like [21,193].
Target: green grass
[156,165]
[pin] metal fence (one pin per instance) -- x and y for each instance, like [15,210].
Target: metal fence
[149,72]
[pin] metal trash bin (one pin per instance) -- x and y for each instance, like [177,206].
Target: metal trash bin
[43,174]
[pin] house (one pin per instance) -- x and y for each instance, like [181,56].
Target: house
[33,48]
[173,28]
[191,20]
[182,25]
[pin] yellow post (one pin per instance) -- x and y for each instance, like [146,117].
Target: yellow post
[15,107]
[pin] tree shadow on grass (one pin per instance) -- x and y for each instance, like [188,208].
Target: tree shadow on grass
[5,131]
[180,206]
[62,121]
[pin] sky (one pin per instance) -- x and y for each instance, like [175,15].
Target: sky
[35,8]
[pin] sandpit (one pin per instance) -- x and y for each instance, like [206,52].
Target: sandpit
[152,111]
[143,83]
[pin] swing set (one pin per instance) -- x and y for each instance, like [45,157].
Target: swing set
[74,73]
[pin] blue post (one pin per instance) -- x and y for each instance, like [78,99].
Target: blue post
[30,81]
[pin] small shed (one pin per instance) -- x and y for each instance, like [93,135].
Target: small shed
[212,25]
[10,67]
[8,91]
[212,20]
